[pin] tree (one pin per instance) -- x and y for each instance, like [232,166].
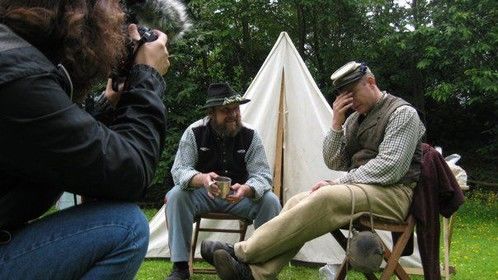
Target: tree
[460,61]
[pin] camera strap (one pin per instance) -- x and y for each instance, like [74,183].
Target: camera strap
[62,70]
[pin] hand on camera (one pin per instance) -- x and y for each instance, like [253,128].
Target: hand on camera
[155,53]
[111,95]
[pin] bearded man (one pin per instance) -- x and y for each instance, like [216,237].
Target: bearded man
[217,145]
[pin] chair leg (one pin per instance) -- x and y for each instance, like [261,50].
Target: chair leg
[193,247]
[447,232]
[243,230]
[392,258]
[392,266]
[343,270]
[342,240]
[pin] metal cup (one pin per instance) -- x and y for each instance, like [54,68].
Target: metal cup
[223,184]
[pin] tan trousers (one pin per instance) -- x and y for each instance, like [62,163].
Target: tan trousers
[307,216]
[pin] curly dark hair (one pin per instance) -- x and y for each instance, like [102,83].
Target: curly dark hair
[86,36]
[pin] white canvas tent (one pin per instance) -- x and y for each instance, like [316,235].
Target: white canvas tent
[292,117]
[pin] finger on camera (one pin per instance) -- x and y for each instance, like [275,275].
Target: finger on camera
[161,36]
[133,32]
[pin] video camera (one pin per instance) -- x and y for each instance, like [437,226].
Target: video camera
[164,15]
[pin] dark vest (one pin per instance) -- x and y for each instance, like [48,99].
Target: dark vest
[224,156]
[363,137]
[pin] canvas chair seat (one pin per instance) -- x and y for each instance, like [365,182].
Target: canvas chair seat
[243,224]
[391,257]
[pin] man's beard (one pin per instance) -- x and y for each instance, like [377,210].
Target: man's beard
[225,130]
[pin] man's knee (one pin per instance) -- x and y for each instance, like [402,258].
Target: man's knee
[139,222]
[294,200]
[267,208]
[137,225]
[270,202]
[131,234]
[177,197]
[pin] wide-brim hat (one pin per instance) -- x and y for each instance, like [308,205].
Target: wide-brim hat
[221,94]
[348,74]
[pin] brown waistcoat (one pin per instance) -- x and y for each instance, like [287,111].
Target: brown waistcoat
[363,136]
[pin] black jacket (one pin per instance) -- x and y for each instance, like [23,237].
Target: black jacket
[48,144]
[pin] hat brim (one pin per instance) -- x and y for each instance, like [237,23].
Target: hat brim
[221,103]
[347,82]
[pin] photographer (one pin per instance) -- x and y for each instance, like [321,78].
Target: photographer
[51,52]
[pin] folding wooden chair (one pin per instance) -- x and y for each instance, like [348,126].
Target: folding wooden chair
[391,257]
[243,224]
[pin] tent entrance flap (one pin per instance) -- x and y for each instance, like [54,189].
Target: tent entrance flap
[279,146]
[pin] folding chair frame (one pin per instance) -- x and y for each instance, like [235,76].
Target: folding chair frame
[391,257]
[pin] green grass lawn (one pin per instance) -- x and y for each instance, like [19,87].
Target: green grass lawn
[474,251]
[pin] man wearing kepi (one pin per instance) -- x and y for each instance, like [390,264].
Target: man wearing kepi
[379,147]
[217,145]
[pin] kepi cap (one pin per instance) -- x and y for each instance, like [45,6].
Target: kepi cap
[348,74]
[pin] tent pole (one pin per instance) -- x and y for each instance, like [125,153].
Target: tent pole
[277,174]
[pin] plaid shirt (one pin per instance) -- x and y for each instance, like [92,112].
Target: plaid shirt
[404,130]
[183,168]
